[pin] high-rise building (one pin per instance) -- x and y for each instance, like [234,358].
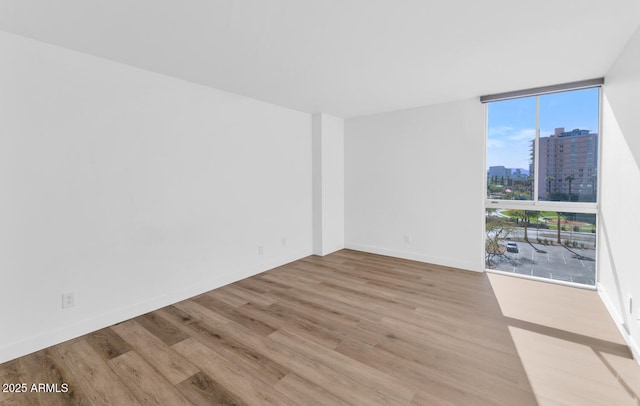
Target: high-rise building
[567,166]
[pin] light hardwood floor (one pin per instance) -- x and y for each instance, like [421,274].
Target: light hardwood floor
[349,328]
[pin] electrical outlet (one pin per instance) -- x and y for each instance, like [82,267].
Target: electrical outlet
[68,300]
[260,250]
[407,239]
[284,242]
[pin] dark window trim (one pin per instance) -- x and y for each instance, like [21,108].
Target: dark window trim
[583,84]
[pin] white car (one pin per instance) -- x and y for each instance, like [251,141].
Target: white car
[512,247]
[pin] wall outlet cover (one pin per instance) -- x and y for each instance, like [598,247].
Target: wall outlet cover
[68,300]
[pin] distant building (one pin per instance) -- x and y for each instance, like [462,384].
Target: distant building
[519,174]
[497,174]
[567,164]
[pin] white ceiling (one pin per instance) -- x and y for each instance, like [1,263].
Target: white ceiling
[342,57]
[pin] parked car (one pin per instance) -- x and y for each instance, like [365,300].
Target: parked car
[512,247]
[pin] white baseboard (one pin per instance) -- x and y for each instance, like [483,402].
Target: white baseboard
[80,328]
[619,322]
[450,262]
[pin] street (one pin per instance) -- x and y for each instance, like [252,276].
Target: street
[588,239]
[551,261]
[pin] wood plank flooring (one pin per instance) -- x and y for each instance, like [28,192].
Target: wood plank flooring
[348,329]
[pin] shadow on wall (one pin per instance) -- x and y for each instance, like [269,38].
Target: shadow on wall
[614,273]
[619,228]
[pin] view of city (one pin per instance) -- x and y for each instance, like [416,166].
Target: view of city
[531,243]
[543,148]
[568,167]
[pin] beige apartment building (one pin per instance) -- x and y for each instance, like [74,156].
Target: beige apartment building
[568,166]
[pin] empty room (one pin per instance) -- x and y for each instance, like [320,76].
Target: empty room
[281,202]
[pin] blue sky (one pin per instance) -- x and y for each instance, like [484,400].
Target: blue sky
[512,123]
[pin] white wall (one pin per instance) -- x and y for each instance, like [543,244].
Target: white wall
[134,190]
[328,184]
[620,193]
[414,184]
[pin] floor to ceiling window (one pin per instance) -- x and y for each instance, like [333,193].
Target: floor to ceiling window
[542,183]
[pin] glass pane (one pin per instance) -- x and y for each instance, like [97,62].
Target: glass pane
[529,242]
[569,146]
[511,133]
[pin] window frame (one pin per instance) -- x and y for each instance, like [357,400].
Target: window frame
[545,205]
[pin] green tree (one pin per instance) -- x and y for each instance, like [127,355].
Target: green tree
[549,178]
[570,179]
[525,216]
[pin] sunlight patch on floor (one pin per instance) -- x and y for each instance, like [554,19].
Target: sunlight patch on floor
[568,345]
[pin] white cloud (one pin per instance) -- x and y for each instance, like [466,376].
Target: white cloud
[527,134]
[510,147]
[499,131]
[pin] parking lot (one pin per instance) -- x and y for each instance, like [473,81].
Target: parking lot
[549,261]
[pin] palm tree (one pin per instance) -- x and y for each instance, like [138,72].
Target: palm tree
[528,215]
[569,179]
[525,216]
[549,178]
[559,242]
